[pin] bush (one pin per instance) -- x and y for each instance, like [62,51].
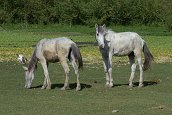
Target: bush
[167,14]
[86,12]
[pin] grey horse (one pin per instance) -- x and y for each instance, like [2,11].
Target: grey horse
[54,50]
[122,44]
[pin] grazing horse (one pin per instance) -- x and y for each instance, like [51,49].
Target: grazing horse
[122,44]
[54,50]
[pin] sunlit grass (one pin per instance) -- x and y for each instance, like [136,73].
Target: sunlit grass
[17,40]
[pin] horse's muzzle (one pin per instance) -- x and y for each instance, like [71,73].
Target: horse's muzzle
[102,46]
[27,87]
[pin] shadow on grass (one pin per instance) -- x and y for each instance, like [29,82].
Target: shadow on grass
[146,83]
[84,86]
[71,86]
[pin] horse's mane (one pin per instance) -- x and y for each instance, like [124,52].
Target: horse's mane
[33,62]
[110,31]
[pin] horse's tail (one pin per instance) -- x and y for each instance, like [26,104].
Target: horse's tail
[148,57]
[77,55]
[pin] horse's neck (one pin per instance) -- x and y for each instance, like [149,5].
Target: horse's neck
[105,50]
[33,62]
[109,35]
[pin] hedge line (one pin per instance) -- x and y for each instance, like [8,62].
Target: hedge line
[87,12]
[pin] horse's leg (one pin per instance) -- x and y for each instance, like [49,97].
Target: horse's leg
[141,71]
[139,59]
[106,73]
[110,70]
[133,68]
[106,68]
[107,64]
[66,69]
[47,82]
[77,74]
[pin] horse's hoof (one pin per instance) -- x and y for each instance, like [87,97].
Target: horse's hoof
[111,85]
[43,87]
[78,88]
[141,85]
[107,84]
[130,85]
[63,88]
[48,87]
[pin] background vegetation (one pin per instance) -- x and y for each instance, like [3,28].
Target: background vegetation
[87,12]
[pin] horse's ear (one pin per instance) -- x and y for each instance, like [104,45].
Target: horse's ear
[21,59]
[25,60]
[104,26]
[25,68]
[96,25]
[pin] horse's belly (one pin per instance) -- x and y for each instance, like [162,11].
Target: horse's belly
[122,53]
[50,56]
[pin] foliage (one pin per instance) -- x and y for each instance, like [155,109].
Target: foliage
[85,12]
[168,14]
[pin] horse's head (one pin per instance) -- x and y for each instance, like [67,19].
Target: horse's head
[29,76]
[100,34]
[21,58]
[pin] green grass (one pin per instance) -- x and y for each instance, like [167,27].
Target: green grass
[93,99]
[16,39]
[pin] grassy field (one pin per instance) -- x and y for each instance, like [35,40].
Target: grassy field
[18,39]
[94,98]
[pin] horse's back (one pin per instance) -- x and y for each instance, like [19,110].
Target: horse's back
[127,35]
[52,49]
[56,42]
[124,43]
[64,41]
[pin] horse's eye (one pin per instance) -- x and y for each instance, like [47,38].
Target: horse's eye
[97,34]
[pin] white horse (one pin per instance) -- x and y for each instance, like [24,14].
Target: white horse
[122,44]
[54,50]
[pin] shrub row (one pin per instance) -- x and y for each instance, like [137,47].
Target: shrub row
[86,12]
